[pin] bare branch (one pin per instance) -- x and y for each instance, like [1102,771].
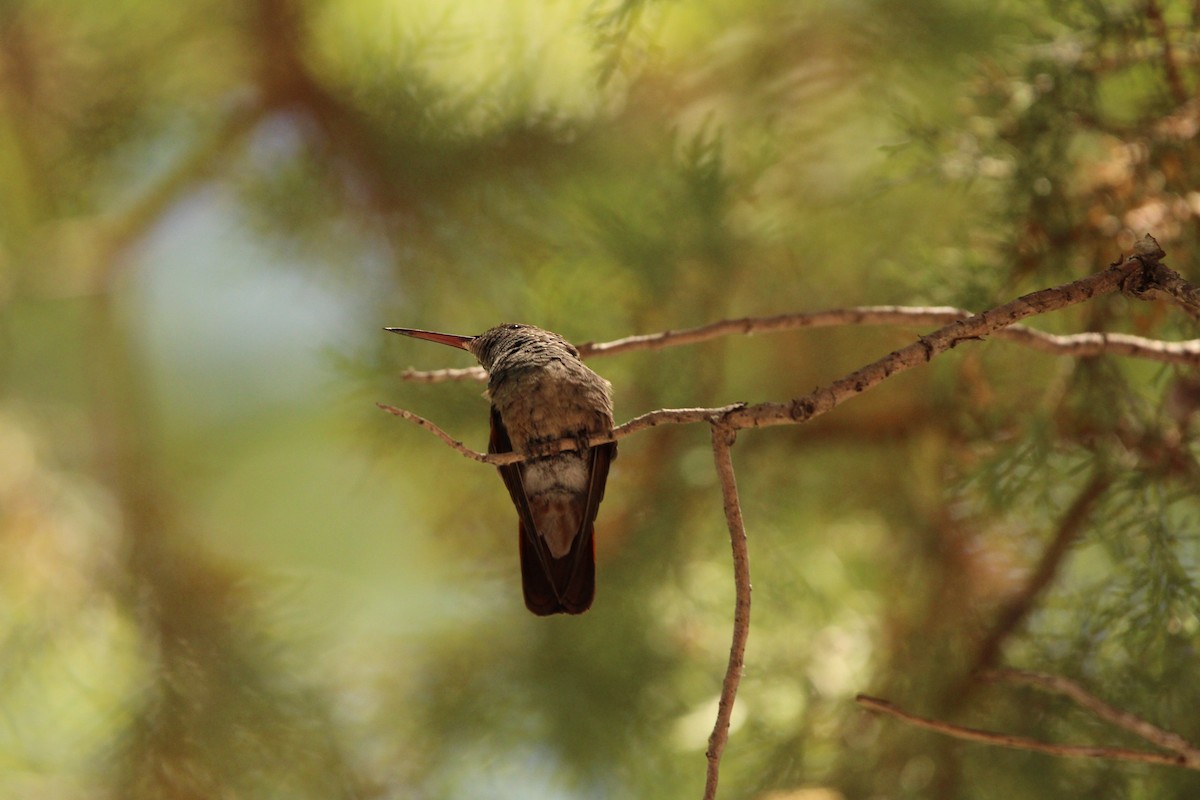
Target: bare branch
[748,326]
[1075,345]
[663,416]
[673,416]
[1153,734]
[1186,754]
[926,347]
[1137,275]
[723,439]
[1078,345]
[1021,742]
[476,374]
[438,432]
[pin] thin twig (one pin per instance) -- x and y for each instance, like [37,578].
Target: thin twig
[723,439]
[1022,742]
[1080,345]
[663,416]
[674,416]
[1093,343]
[1114,716]
[1076,345]
[476,374]
[441,434]
[748,326]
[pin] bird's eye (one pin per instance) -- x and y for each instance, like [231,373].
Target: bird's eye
[515,327]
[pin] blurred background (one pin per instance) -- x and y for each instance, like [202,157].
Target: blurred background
[225,573]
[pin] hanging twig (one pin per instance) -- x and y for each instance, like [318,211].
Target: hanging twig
[723,439]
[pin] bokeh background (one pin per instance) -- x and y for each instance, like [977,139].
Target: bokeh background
[225,573]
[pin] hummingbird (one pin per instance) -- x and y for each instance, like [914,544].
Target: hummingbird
[540,391]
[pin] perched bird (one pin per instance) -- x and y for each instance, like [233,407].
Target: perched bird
[541,392]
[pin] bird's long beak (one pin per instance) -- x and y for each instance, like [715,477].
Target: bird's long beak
[454,340]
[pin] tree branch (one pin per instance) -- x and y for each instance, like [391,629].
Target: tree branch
[801,409]
[1093,343]
[483,458]
[663,416]
[1076,345]
[1136,275]
[1153,734]
[476,374]
[723,439]
[1080,345]
[1021,742]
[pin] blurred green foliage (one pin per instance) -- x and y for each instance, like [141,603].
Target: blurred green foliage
[224,573]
